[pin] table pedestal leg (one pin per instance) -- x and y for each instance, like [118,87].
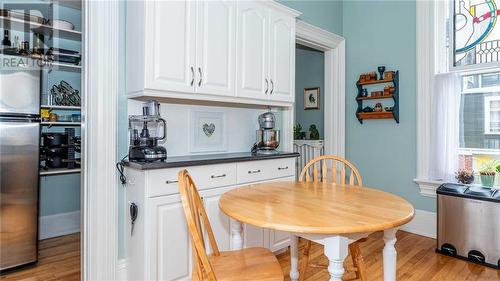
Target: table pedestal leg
[336,250]
[390,255]
[236,235]
[294,257]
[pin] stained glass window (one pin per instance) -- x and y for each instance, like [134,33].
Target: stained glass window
[477,32]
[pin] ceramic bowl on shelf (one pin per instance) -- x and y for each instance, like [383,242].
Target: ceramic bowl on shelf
[62,24]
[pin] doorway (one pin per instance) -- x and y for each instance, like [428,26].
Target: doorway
[41,156]
[309,103]
[331,47]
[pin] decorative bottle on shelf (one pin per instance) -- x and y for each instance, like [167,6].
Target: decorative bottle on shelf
[17,44]
[6,41]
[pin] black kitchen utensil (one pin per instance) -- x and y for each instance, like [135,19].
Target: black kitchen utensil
[54,139]
[134,210]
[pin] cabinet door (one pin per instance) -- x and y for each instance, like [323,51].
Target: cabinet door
[282,57]
[220,223]
[170,45]
[252,48]
[171,254]
[216,47]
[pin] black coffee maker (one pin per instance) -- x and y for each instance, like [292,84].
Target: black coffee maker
[144,134]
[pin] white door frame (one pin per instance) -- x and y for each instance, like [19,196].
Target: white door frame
[333,46]
[99,221]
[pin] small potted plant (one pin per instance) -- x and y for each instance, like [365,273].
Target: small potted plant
[314,133]
[465,176]
[488,172]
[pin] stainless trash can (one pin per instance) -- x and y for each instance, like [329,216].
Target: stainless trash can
[468,223]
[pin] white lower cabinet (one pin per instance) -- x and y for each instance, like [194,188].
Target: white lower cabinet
[218,220]
[171,255]
[159,248]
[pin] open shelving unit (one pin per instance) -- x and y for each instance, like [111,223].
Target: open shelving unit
[45,29]
[61,123]
[61,107]
[59,171]
[394,114]
[52,71]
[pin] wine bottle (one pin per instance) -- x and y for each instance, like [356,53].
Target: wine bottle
[6,41]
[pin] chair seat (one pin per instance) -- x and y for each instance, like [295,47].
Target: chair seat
[247,264]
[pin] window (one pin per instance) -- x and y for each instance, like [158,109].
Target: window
[479,120]
[492,116]
[458,124]
[476,32]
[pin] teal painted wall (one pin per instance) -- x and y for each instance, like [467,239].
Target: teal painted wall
[59,194]
[383,33]
[324,14]
[122,127]
[309,73]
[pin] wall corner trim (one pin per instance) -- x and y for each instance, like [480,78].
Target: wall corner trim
[121,270]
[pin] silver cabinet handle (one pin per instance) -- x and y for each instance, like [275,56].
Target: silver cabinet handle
[219,176]
[283,168]
[192,76]
[169,182]
[254,172]
[272,87]
[201,76]
[267,86]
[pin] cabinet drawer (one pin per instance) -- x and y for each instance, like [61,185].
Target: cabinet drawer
[211,176]
[164,181]
[265,169]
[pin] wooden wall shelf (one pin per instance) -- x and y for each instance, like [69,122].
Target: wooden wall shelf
[375,82]
[375,98]
[384,114]
[375,115]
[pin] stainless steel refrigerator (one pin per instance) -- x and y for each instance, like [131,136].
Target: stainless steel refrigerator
[19,164]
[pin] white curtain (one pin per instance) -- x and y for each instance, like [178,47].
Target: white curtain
[445,121]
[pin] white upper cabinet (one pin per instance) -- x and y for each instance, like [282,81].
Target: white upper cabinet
[266,53]
[170,45]
[216,47]
[282,57]
[253,48]
[229,51]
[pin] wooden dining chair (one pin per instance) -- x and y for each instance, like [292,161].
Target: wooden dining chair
[247,264]
[340,169]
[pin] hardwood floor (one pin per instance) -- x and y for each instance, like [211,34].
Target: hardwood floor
[416,261]
[58,259]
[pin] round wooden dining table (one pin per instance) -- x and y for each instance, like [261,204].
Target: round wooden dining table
[330,214]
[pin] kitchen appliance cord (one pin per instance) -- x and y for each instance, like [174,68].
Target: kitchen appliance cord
[121,167]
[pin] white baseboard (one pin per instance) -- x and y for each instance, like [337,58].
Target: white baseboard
[58,225]
[424,223]
[121,270]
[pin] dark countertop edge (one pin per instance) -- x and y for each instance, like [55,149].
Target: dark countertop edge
[200,162]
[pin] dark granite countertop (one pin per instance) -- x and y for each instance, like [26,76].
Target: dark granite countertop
[207,159]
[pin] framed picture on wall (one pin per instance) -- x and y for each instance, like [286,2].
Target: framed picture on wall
[208,129]
[311,98]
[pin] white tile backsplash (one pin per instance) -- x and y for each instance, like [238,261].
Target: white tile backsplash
[241,124]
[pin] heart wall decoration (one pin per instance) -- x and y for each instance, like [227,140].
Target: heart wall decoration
[209,129]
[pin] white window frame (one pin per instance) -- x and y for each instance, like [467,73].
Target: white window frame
[431,31]
[487,113]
